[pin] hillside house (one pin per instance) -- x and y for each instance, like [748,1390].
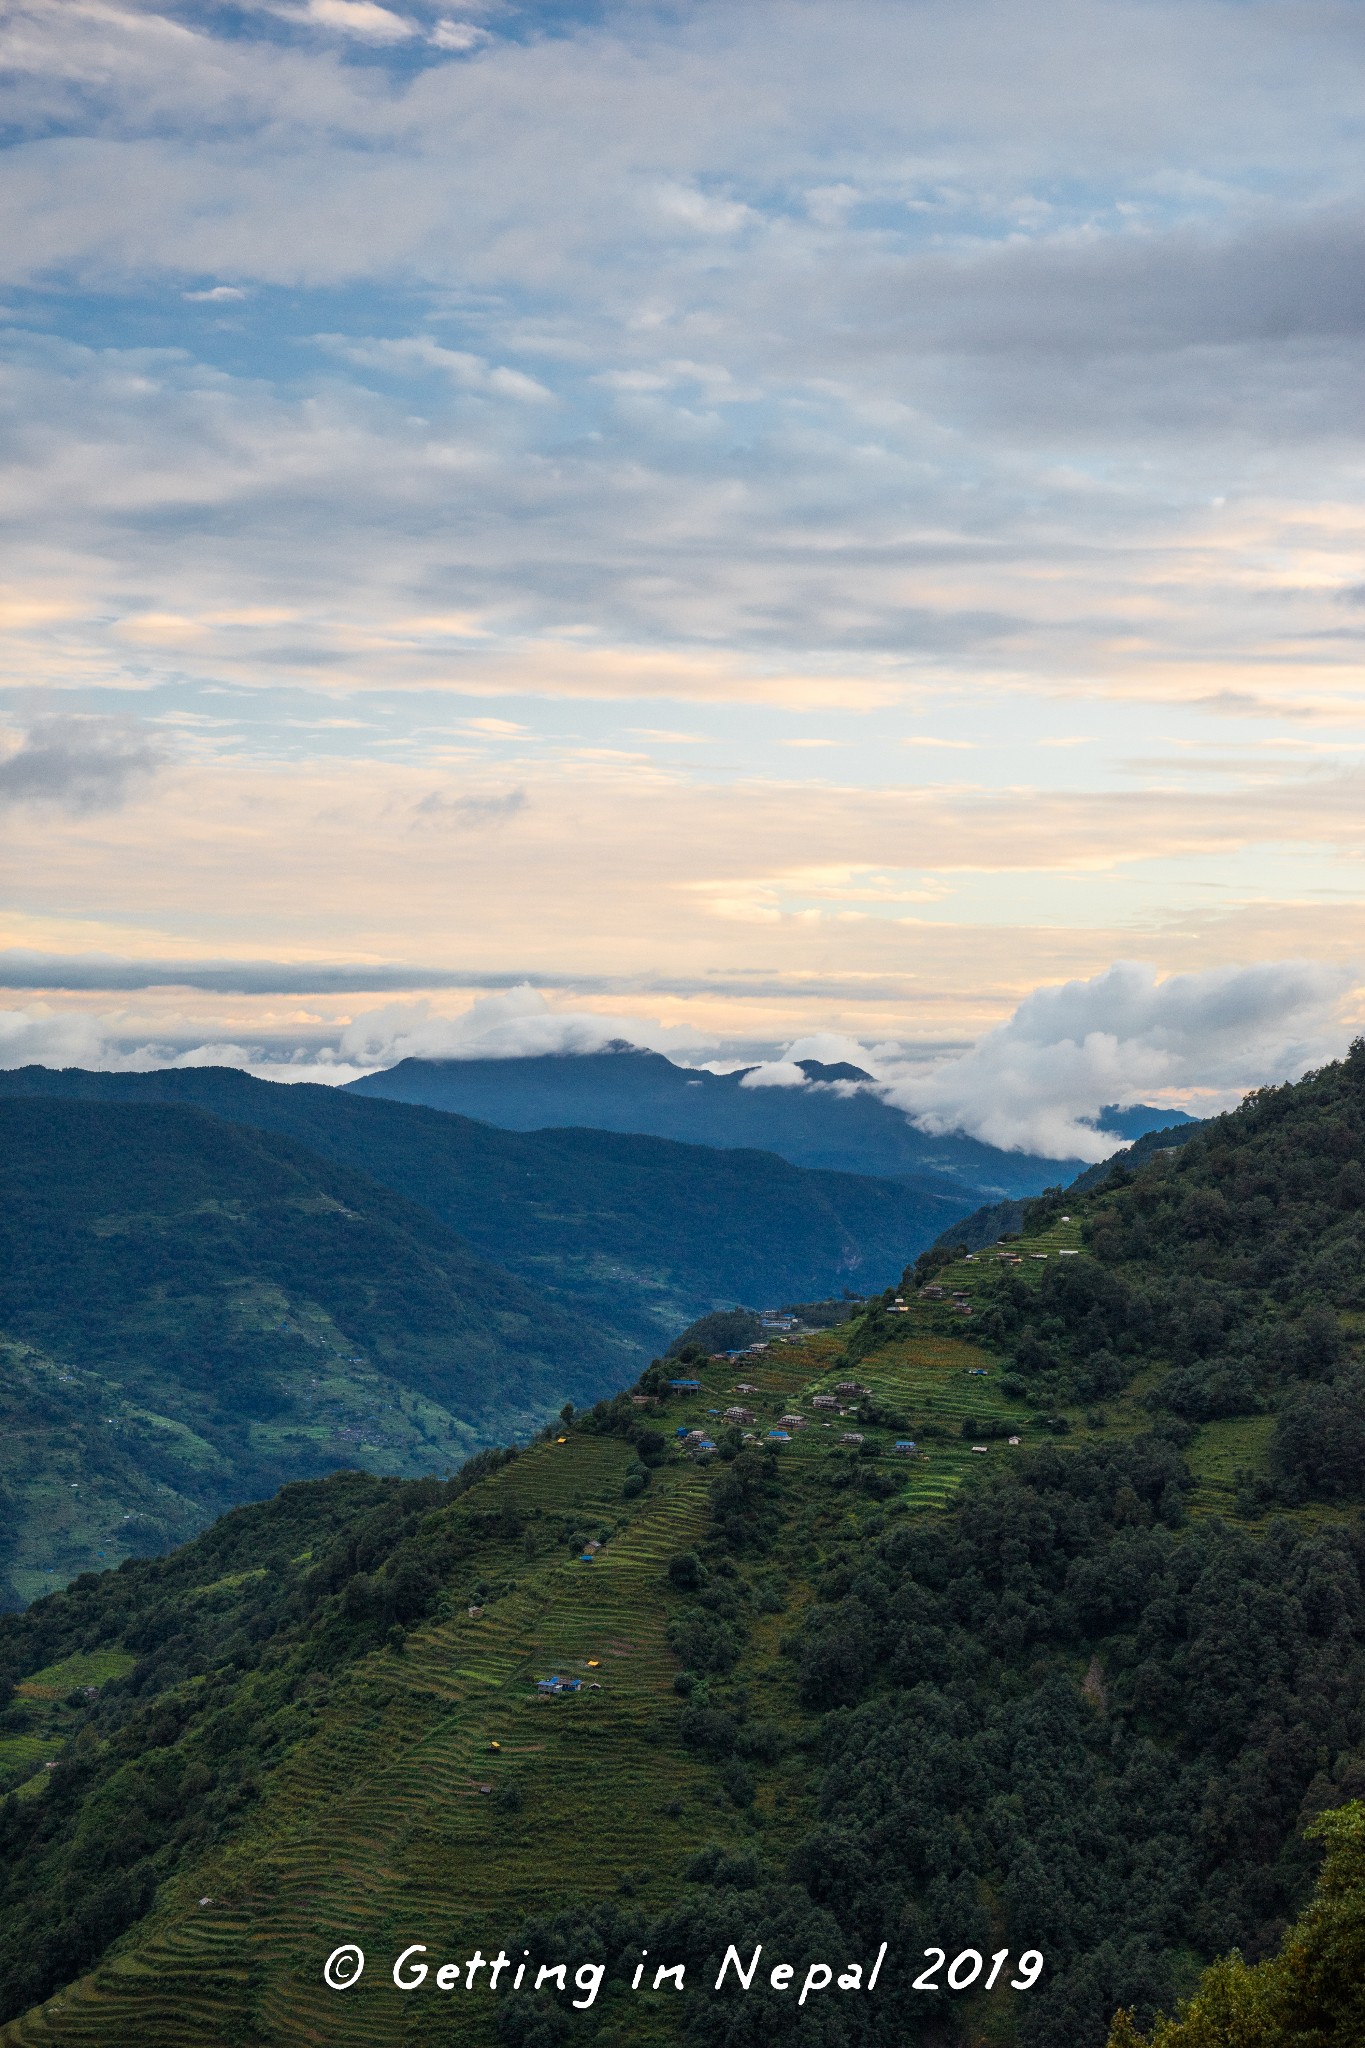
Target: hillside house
[848,1387]
[686,1386]
[779,1436]
[695,1436]
[824,1401]
[739,1415]
[851,1436]
[555,1684]
[746,1387]
[792,1421]
[904,1445]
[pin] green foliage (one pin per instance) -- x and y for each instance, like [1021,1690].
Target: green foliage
[1064,1708]
[232,1648]
[725,1329]
[1310,1995]
[961,1753]
[638,1234]
[1228,1263]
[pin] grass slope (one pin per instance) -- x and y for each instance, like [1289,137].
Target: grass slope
[640,1235]
[192,1313]
[1079,1693]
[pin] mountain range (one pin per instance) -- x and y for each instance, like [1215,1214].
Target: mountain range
[640,1233]
[193,1313]
[1050,1656]
[837,1120]
[214,1285]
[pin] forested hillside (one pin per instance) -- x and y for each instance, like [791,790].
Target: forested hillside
[639,1235]
[1229,1275]
[192,1313]
[1009,1623]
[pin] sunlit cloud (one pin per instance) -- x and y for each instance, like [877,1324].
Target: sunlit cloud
[689,378]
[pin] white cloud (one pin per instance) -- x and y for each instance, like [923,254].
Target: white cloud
[833,1049]
[775,1074]
[41,1036]
[1034,1083]
[517,1025]
[360,18]
[403,354]
[457,35]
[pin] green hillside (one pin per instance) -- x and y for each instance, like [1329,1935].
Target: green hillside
[1079,1694]
[192,1313]
[638,1234]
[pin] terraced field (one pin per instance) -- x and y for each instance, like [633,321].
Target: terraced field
[404,1774]
[443,1801]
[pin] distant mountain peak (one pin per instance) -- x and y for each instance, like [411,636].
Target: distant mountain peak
[838,1070]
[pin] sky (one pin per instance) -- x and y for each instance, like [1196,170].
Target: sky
[723,525]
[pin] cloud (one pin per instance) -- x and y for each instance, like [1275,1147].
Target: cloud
[362,18]
[25,967]
[40,1036]
[1037,1082]
[216,295]
[80,764]
[457,35]
[51,1038]
[418,352]
[833,1049]
[775,1074]
[518,1025]
[471,810]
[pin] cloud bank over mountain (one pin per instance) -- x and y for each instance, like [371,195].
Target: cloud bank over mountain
[1033,1084]
[1193,1040]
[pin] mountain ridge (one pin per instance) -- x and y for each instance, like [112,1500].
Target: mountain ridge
[639,1234]
[193,1312]
[1066,1681]
[833,1125]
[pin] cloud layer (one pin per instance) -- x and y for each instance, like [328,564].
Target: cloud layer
[766,521]
[518,1025]
[1037,1083]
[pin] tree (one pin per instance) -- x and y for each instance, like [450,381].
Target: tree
[1312,1994]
